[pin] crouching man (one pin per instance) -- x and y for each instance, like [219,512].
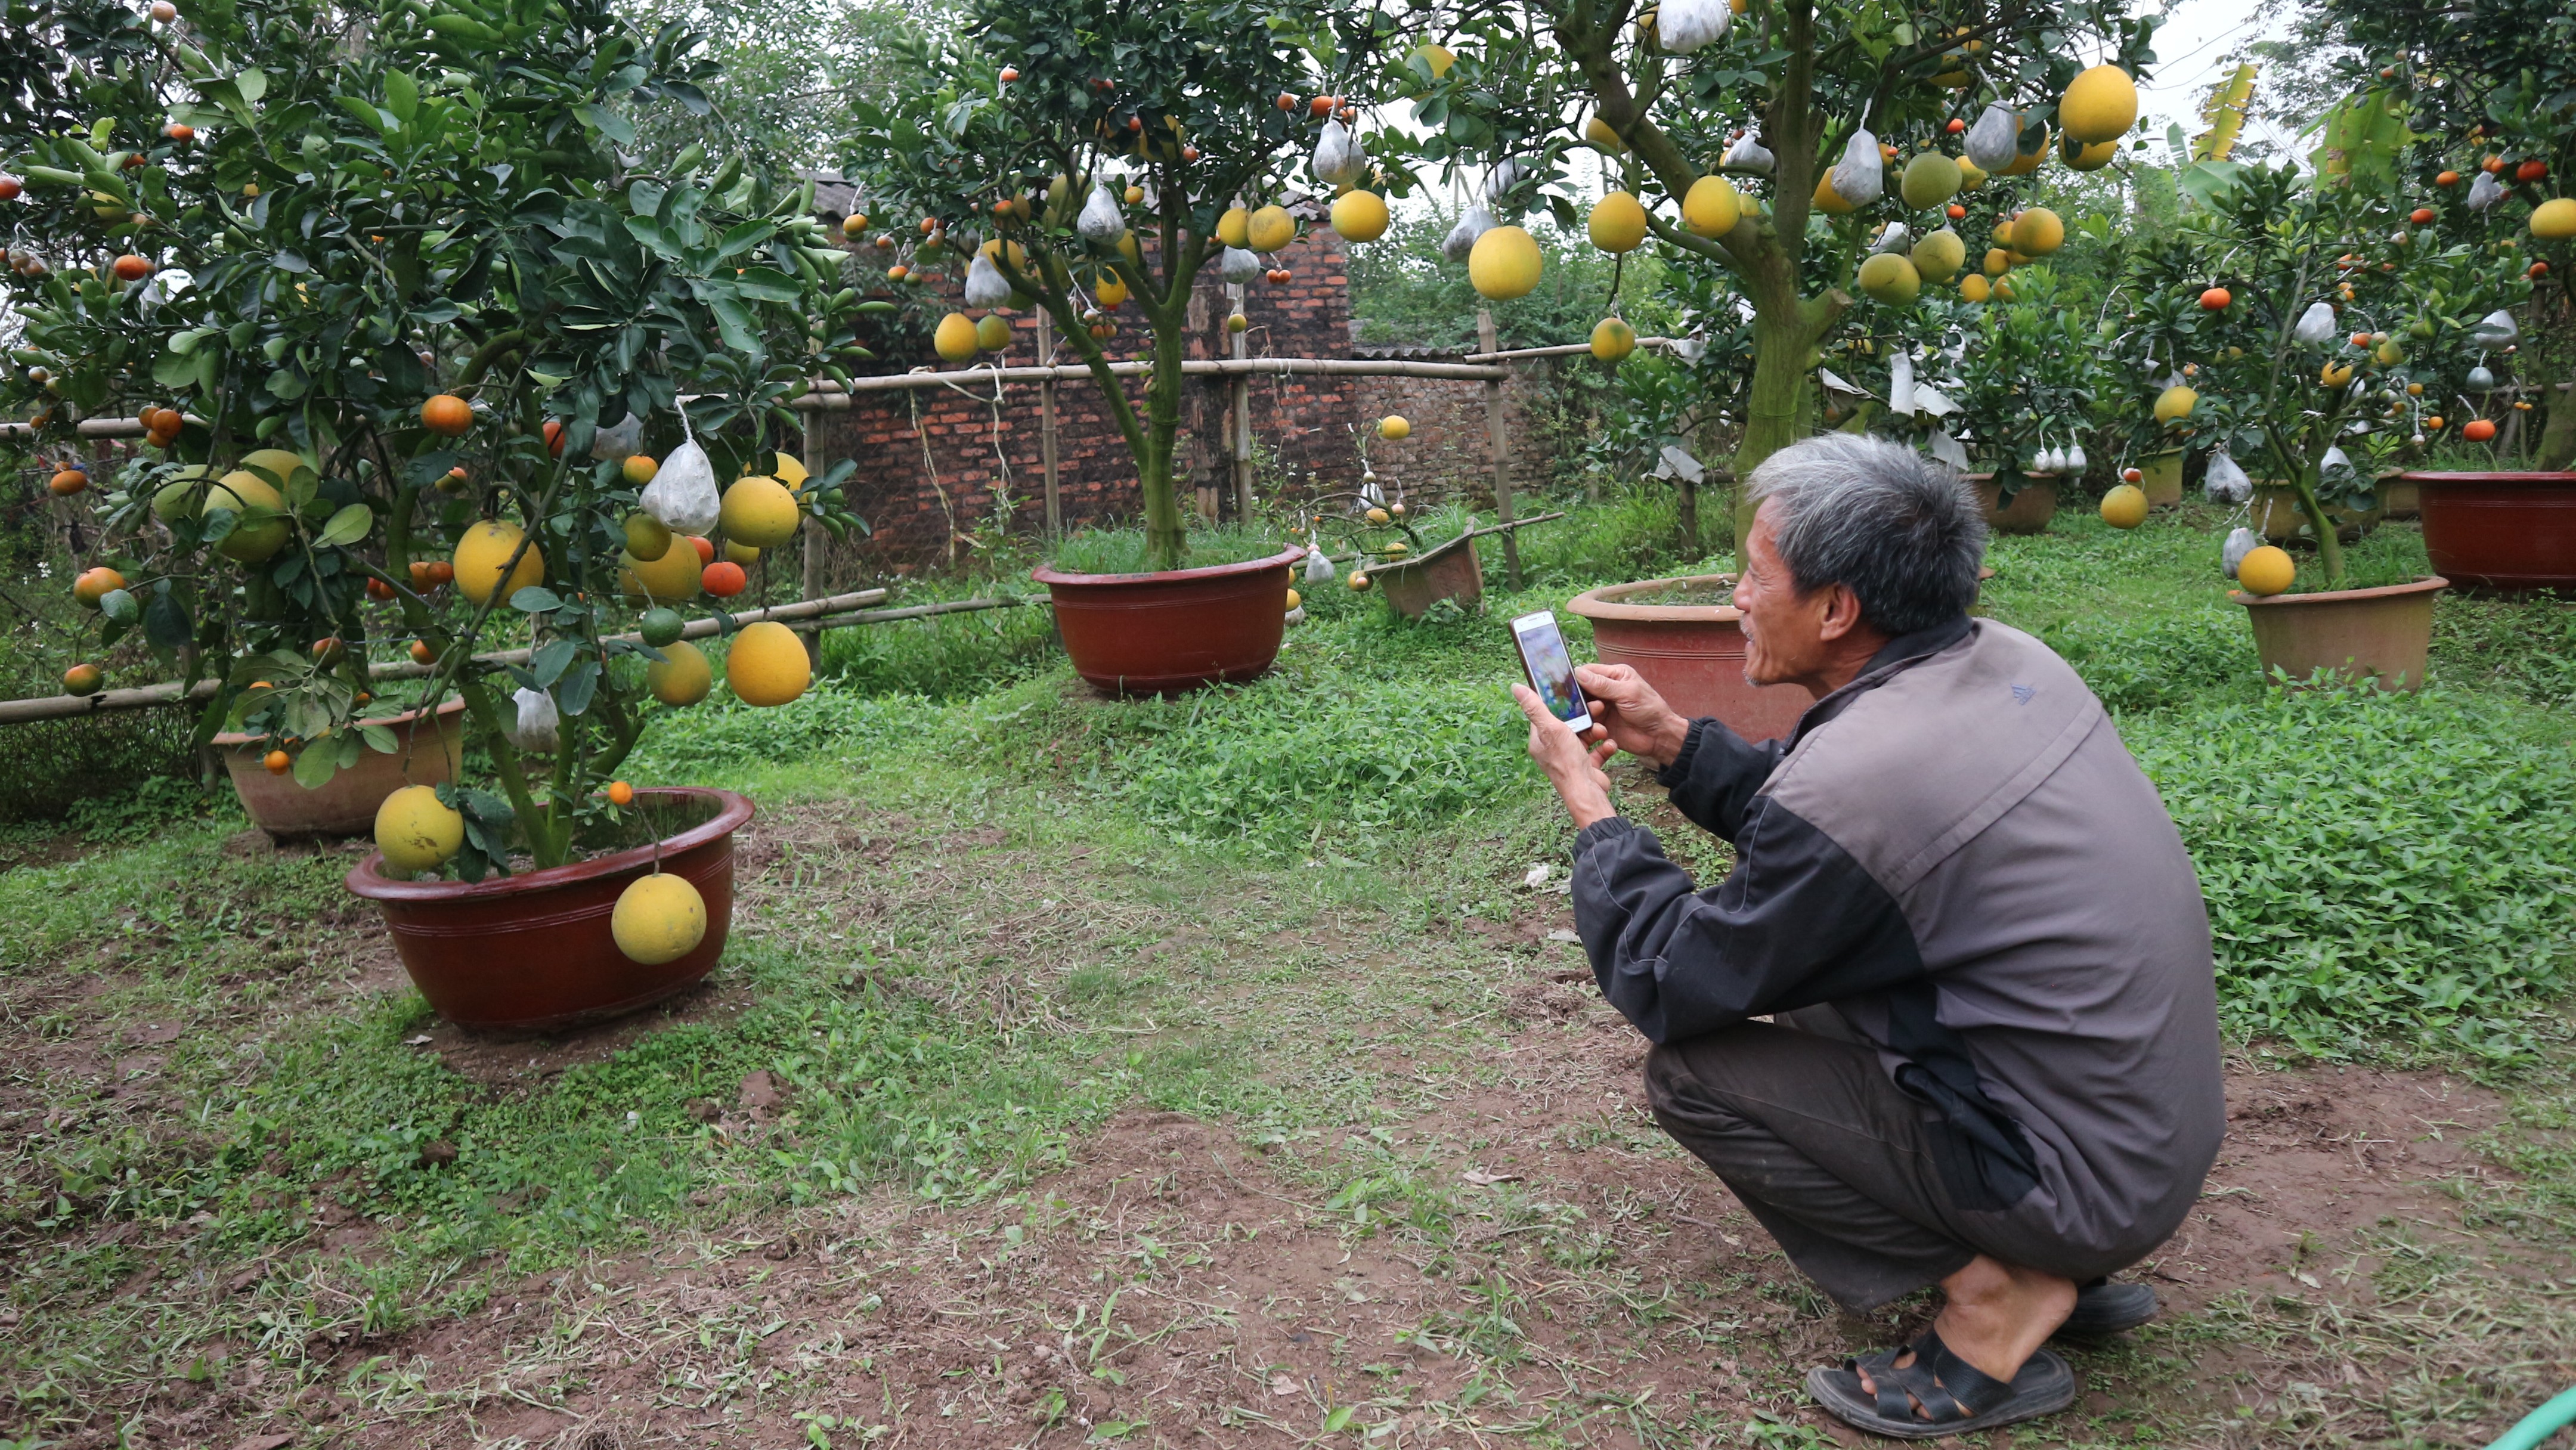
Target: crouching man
[1992,1062]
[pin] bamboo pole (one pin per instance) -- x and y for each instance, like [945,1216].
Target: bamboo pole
[1498,437]
[1567,349]
[1241,413]
[1046,430]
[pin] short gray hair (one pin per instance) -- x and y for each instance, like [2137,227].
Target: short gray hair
[1900,530]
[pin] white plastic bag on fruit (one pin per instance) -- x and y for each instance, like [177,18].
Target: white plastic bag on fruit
[1686,25]
[1499,182]
[985,284]
[1462,238]
[2317,324]
[2485,192]
[1339,161]
[2241,541]
[1895,239]
[1747,154]
[1991,142]
[1900,384]
[536,726]
[616,445]
[1238,265]
[1860,176]
[683,494]
[2226,482]
[1101,224]
[2076,462]
[1319,565]
[2495,329]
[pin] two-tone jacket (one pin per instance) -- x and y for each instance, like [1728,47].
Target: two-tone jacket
[1958,853]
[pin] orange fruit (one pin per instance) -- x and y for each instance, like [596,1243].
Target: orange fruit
[83,679]
[277,761]
[620,793]
[724,579]
[420,652]
[131,268]
[95,584]
[447,415]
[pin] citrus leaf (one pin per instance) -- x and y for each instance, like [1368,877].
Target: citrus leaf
[347,526]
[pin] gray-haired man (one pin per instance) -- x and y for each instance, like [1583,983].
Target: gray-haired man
[1993,1061]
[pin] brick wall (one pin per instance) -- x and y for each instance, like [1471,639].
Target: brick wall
[1449,450]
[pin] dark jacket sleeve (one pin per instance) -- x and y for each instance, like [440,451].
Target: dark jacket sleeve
[1715,776]
[1796,922]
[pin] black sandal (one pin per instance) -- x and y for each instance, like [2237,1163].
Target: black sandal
[1957,1397]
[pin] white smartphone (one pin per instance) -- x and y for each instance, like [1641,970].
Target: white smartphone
[1551,669]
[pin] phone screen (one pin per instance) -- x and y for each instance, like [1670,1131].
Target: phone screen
[1551,668]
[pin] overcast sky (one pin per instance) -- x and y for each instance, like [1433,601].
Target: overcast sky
[2191,50]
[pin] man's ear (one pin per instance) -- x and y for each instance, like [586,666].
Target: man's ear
[1842,613]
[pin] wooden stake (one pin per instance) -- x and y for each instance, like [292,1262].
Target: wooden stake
[1499,436]
[1242,409]
[1046,429]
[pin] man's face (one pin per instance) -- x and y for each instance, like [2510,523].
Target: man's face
[1784,639]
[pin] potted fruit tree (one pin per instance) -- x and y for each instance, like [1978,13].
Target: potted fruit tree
[2309,330]
[2026,383]
[1088,159]
[406,332]
[2491,90]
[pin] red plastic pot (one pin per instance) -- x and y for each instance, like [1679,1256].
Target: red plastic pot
[1693,654]
[2501,531]
[533,952]
[344,805]
[1445,571]
[1162,633]
[2032,506]
[2379,635]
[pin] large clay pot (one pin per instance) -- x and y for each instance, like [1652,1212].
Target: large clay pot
[344,805]
[2162,482]
[532,952]
[2381,635]
[1445,571]
[1159,634]
[2399,498]
[2032,506]
[2504,531]
[2276,516]
[1693,654]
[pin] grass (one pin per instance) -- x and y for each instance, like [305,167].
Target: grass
[991,918]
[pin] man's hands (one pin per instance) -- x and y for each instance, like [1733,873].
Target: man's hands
[1573,767]
[1633,716]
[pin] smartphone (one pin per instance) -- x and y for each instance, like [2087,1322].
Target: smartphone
[1551,669]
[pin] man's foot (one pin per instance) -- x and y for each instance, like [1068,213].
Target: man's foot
[2104,1308]
[1924,1392]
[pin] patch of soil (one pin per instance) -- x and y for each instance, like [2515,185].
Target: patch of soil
[513,1063]
[47,851]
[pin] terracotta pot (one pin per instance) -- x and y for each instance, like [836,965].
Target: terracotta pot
[532,952]
[2033,505]
[1446,571]
[2276,516]
[1159,634]
[1693,654]
[2504,531]
[2163,482]
[344,805]
[2380,635]
[2399,498]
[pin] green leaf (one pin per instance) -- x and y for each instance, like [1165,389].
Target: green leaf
[402,95]
[536,599]
[315,764]
[1339,1420]
[347,526]
[380,739]
[550,661]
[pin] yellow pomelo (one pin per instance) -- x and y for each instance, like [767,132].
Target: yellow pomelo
[1974,287]
[659,918]
[1235,227]
[790,471]
[1971,175]
[1613,339]
[1998,261]
[1618,222]
[482,556]
[1940,255]
[2554,220]
[1269,229]
[417,831]
[276,464]
[1930,179]
[243,492]
[2037,232]
[1598,132]
[1504,264]
[1826,198]
[1712,207]
[767,664]
[2334,375]
[2101,105]
[683,677]
[744,554]
[672,576]
[2080,157]
[1360,216]
[2176,402]
[1437,56]
[2125,507]
[2026,162]
[180,498]
[955,340]
[993,332]
[2267,570]
[1394,428]
[760,512]
[1888,277]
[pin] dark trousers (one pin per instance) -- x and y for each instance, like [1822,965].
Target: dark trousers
[1802,1122]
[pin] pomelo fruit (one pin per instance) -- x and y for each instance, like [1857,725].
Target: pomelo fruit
[673,575]
[2176,403]
[1712,207]
[993,332]
[2266,571]
[2100,105]
[1504,264]
[954,340]
[244,492]
[1890,278]
[1235,227]
[646,536]
[183,495]
[2125,507]
[1930,179]
[1618,222]
[482,556]
[417,831]
[659,918]
[2554,220]
[767,664]
[1394,428]
[1975,288]
[682,678]
[1940,255]
[2038,232]
[1360,216]
[1613,339]
[1269,229]
[759,511]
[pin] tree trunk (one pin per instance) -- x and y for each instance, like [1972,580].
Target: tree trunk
[1165,535]
[2558,434]
[1776,410]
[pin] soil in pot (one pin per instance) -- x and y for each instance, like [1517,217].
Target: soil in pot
[344,805]
[2504,531]
[1683,637]
[533,951]
[1180,629]
[2380,635]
